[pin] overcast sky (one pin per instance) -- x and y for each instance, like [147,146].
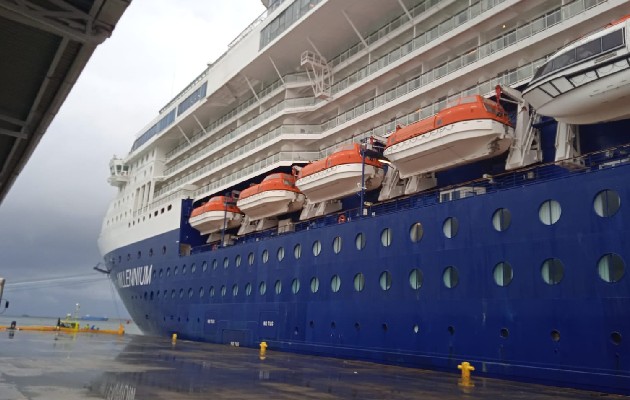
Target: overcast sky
[51,218]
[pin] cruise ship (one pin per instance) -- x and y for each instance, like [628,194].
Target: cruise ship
[410,182]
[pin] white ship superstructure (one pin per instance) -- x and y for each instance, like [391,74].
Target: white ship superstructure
[311,75]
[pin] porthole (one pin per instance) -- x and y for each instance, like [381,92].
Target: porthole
[262,288]
[139,255]
[190,293]
[450,277]
[168,271]
[385,280]
[295,286]
[278,286]
[359,241]
[184,268]
[128,256]
[234,290]
[610,268]
[501,219]
[163,250]
[237,261]
[297,251]
[280,253]
[415,279]
[173,294]
[158,294]
[386,237]
[502,274]
[151,252]
[193,268]
[181,293]
[165,294]
[201,292]
[416,328]
[555,335]
[450,227]
[359,282]
[215,264]
[223,290]
[314,284]
[226,263]
[211,291]
[265,256]
[606,203]
[248,289]
[161,272]
[250,259]
[337,244]
[615,338]
[335,283]
[175,270]
[504,333]
[552,271]
[549,212]
[416,232]
[317,248]
[204,266]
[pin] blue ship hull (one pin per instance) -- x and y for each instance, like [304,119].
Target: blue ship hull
[569,333]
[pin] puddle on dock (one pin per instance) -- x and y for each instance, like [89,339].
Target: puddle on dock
[61,366]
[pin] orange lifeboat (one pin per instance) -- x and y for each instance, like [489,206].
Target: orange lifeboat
[470,129]
[275,195]
[339,175]
[213,215]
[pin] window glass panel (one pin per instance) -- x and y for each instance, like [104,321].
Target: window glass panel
[297,251]
[335,283]
[415,279]
[606,203]
[386,237]
[280,253]
[611,268]
[501,219]
[385,280]
[549,212]
[295,286]
[552,271]
[317,248]
[359,282]
[262,288]
[450,277]
[612,40]
[415,232]
[588,49]
[360,241]
[502,274]
[337,244]
[314,284]
[450,227]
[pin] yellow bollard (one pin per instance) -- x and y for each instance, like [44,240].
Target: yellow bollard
[465,367]
[174,338]
[263,350]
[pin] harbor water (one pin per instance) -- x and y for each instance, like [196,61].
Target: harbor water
[39,365]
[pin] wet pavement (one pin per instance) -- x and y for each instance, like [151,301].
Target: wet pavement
[61,366]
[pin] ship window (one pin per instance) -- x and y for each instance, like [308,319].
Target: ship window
[262,288]
[204,266]
[250,258]
[317,248]
[552,271]
[297,251]
[386,237]
[211,291]
[280,253]
[215,264]
[314,284]
[223,290]
[190,293]
[163,250]
[501,219]
[234,290]
[555,335]
[415,232]
[237,261]
[359,282]
[502,274]
[385,280]
[173,294]
[450,277]
[416,328]
[606,203]
[588,49]
[549,212]
[337,244]
[150,251]
[168,271]
[360,241]
[165,294]
[158,294]
[226,263]
[201,292]
[193,268]
[610,267]
[248,289]
[175,270]
[265,256]
[278,286]
[184,269]
[415,279]
[181,293]
[295,286]
[615,338]
[612,40]
[139,254]
[450,227]
[128,256]
[335,283]
[564,59]
[161,272]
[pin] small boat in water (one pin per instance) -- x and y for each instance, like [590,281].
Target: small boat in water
[218,213]
[339,175]
[588,81]
[275,195]
[469,129]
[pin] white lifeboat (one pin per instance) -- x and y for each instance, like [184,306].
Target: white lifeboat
[339,175]
[275,195]
[588,81]
[217,213]
[471,129]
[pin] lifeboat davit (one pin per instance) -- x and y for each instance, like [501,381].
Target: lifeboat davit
[470,129]
[339,175]
[212,216]
[275,195]
[588,81]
